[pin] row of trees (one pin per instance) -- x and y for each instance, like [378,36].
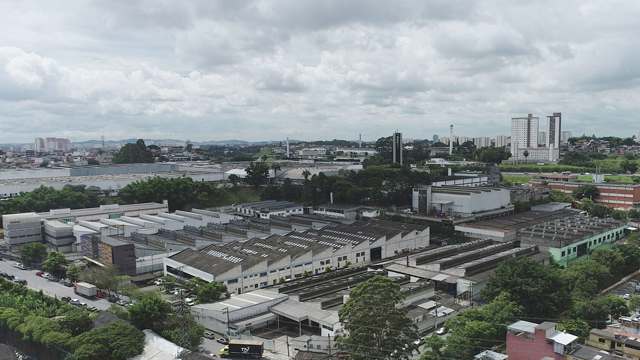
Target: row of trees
[182,193]
[64,330]
[375,185]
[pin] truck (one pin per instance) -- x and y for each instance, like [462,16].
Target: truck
[87,290]
[242,349]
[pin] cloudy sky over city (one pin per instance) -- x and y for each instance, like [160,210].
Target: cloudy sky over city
[312,69]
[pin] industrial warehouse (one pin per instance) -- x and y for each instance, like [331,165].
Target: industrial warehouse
[246,265]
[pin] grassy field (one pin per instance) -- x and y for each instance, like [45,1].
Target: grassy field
[616,179]
[516,179]
[523,179]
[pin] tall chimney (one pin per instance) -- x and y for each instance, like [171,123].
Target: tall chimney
[288,153]
[450,139]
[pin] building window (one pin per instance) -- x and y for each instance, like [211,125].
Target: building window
[562,254]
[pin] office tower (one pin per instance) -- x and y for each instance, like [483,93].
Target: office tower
[524,133]
[39,146]
[542,139]
[481,142]
[397,148]
[555,130]
[565,136]
[502,140]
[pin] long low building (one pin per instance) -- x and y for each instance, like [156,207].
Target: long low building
[256,263]
[505,228]
[616,196]
[32,227]
[569,238]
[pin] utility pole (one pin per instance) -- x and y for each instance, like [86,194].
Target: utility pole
[287,340]
[228,331]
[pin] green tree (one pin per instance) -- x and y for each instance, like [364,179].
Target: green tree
[33,254]
[183,331]
[436,348]
[150,312]
[634,303]
[133,153]
[389,334]
[73,273]
[76,322]
[55,264]
[205,291]
[115,341]
[579,328]
[257,173]
[559,196]
[585,191]
[540,290]
[234,179]
[616,306]
[629,167]
[592,311]
[481,328]
[586,277]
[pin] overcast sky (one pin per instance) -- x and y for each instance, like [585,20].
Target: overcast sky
[312,69]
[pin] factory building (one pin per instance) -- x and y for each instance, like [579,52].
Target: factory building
[268,208]
[616,196]
[460,201]
[252,264]
[569,238]
[56,226]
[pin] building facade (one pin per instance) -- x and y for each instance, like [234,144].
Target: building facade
[555,130]
[616,196]
[246,265]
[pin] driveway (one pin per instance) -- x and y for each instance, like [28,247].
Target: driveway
[50,288]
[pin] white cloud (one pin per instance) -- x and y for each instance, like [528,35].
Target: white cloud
[266,69]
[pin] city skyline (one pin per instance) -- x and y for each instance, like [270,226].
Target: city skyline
[265,70]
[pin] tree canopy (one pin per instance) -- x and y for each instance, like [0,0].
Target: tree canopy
[387,335]
[537,288]
[133,153]
[55,264]
[33,254]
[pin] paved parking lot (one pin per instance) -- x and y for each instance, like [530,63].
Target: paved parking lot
[50,288]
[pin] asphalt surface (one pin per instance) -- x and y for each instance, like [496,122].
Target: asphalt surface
[50,288]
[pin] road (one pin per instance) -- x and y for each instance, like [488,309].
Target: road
[50,288]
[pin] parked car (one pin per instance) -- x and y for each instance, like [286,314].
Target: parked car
[67,283]
[122,302]
[92,308]
[443,330]
[209,335]
[158,282]
[40,273]
[77,302]
[20,281]
[223,341]
[626,296]
[7,276]
[65,298]
[112,298]
[20,266]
